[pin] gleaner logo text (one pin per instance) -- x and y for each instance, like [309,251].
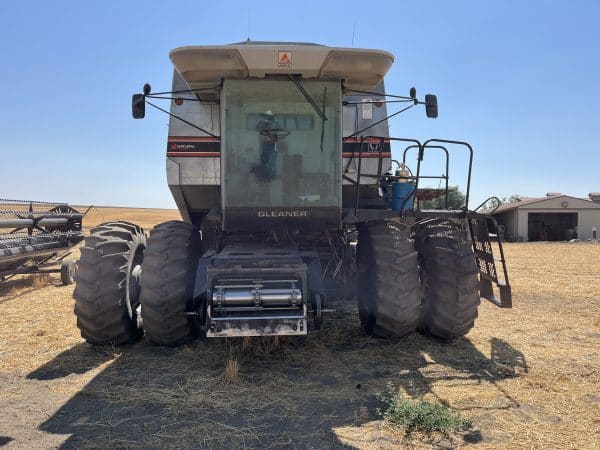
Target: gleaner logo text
[282,213]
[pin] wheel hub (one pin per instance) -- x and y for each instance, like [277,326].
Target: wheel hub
[134,284]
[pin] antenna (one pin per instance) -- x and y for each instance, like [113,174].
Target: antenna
[353,32]
[249,10]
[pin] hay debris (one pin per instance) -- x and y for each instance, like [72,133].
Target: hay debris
[231,374]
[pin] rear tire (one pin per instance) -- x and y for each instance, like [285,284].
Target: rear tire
[389,291]
[107,286]
[450,280]
[168,283]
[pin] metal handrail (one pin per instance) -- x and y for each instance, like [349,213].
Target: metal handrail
[446,177]
[448,141]
[498,201]
[382,138]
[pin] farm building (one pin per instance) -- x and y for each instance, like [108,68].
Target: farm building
[556,217]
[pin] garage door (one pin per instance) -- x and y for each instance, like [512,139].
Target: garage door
[552,226]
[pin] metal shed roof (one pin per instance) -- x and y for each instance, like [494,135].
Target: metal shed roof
[526,201]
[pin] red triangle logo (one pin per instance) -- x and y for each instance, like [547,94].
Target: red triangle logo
[284,58]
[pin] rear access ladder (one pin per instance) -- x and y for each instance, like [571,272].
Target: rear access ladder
[482,246]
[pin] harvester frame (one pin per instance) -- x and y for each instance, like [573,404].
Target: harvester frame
[287,204]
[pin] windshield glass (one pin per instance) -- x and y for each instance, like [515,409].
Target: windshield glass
[273,155]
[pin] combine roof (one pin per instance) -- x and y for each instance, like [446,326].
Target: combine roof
[202,66]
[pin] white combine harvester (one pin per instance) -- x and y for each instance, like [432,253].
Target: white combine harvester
[279,160]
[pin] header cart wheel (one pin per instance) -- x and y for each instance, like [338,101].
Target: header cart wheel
[68,267]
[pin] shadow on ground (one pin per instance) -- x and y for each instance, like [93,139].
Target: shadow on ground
[77,360]
[295,396]
[21,285]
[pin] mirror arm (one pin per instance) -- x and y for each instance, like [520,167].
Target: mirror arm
[184,91]
[379,94]
[183,120]
[379,121]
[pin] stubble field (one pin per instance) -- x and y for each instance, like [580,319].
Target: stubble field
[526,378]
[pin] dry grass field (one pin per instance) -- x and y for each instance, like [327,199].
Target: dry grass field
[145,218]
[526,378]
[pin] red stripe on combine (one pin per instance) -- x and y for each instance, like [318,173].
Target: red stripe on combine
[218,154]
[366,155]
[195,154]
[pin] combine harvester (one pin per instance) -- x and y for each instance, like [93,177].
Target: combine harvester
[37,237]
[279,160]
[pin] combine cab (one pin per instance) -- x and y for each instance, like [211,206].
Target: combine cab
[279,160]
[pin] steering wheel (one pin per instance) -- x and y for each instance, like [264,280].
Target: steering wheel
[279,132]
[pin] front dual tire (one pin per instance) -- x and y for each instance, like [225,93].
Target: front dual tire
[107,290]
[170,265]
[389,289]
[423,278]
[112,292]
[450,279]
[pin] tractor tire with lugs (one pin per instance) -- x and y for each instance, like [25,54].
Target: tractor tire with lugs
[168,283]
[389,286]
[450,280]
[107,284]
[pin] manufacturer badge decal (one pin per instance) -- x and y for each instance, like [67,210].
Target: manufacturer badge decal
[284,59]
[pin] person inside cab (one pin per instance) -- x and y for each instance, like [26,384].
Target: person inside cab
[269,130]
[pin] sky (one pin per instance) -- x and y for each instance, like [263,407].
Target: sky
[518,80]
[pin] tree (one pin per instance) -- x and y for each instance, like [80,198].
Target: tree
[493,203]
[512,199]
[456,200]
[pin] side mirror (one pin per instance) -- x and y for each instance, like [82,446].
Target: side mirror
[431,106]
[138,106]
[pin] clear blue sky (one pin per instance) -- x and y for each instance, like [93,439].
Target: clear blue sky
[519,80]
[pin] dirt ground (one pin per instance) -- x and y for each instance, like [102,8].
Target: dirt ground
[526,377]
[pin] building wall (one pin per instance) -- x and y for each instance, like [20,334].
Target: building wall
[516,221]
[587,220]
[509,220]
[523,220]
